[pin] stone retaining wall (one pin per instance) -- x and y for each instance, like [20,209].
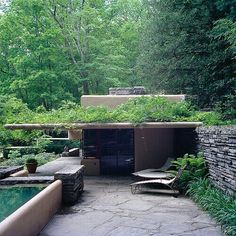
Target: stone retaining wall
[218,144]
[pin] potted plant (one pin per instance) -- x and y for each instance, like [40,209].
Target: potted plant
[31,164]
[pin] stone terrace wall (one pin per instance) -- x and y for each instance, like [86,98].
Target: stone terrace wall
[218,144]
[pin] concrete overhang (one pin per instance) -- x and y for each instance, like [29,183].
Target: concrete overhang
[95,125]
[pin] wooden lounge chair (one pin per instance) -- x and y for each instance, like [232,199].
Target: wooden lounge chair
[155,173]
[169,183]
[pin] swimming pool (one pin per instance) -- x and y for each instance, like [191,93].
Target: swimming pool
[11,198]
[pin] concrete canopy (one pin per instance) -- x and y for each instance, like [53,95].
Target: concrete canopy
[95,125]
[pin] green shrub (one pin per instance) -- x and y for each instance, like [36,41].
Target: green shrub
[152,109]
[196,168]
[138,110]
[141,109]
[227,107]
[221,206]
[135,110]
[31,161]
[42,158]
[14,154]
[208,118]
[42,143]
[19,161]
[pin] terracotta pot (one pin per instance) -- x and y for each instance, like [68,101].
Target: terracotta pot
[31,167]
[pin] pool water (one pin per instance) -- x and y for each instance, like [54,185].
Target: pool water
[12,198]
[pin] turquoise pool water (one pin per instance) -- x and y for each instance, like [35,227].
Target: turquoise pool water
[12,198]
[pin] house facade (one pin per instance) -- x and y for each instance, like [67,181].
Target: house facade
[124,149]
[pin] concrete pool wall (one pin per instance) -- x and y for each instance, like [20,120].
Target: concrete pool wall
[30,219]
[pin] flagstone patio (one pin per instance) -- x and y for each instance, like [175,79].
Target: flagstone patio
[108,208]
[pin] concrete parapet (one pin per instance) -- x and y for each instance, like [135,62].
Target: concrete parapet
[30,219]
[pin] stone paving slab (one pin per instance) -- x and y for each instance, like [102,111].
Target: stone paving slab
[108,208]
[52,167]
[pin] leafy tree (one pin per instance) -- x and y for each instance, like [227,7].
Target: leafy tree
[183,53]
[34,68]
[11,110]
[95,34]
[56,50]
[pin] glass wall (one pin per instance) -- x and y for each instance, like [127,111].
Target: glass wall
[114,148]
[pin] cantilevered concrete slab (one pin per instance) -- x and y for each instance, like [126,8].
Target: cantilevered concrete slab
[95,125]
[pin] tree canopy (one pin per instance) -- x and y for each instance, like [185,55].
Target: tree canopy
[189,47]
[57,50]
[53,51]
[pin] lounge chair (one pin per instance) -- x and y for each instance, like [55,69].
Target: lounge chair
[167,164]
[155,173]
[169,183]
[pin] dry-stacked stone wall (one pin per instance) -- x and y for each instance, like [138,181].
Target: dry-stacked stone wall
[72,183]
[218,143]
[137,90]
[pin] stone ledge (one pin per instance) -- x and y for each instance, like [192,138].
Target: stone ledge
[27,180]
[8,170]
[69,170]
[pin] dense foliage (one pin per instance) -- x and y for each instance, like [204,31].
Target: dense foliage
[217,203]
[16,159]
[194,182]
[12,109]
[195,169]
[135,110]
[143,109]
[56,50]
[188,46]
[52,52]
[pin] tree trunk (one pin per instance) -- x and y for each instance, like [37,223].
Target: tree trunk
[86,87]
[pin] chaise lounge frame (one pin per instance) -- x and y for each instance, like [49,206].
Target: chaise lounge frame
[138,186]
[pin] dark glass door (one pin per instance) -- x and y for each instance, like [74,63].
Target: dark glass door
[114,148]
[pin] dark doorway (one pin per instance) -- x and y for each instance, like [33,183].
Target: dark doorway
[114,148]
[185,141]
